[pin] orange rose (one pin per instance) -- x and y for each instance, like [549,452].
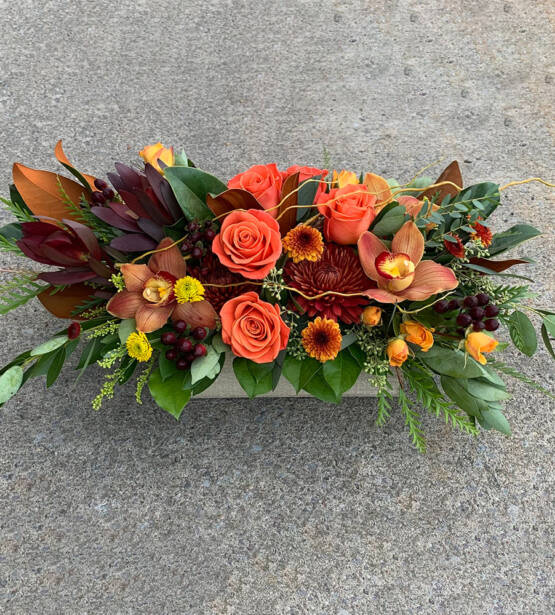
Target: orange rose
[249,243]
[372,316]
[308,173]
[415,333]
[397,352]
[263,181]
[476,343]
[349,211]
[152,154]
[253,328]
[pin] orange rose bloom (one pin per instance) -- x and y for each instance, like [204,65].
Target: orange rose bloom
[263,181]
[349,211]
[478,342]
[307,173]
[415,333]
[372,315]
[397,352]
[249,243]
[253,328]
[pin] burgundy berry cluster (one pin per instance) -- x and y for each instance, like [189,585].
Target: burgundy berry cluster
[103,194]
[184,350]
[199,239]
[475,310]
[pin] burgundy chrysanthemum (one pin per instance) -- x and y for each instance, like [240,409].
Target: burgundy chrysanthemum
[339,270]
[212,272]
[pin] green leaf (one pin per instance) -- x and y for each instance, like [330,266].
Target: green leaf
[169,394]
[306,195]
[390,222]
[49,346]
[191,187]
[218,344]
[299,371]
[549,322]
[547,341]
[522,333]
[254,378]
[482,389]
[488,271]
[319,388]
[341,373]
[125,329]
[55,368]
[456,390]
[167,368]
[204,367]
[181,160]
[495,419]
[451,362]
[486,192]
[512,237]
[10,381]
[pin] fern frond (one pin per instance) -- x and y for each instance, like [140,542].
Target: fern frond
[412,420]
[511,371]
[8,244]
[19,212]
[18,291]
[384,404]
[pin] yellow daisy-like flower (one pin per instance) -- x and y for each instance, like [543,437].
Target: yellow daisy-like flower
[303,243]
[138,346]
[322,339]
[188,290]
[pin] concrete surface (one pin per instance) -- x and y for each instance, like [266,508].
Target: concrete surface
[277,506]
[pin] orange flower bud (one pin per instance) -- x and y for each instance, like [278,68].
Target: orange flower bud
[372,315]
[476,343]
[344,178]
[397,351]
[153,153]
[417,334]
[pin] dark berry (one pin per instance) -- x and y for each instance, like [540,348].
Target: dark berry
[200,350]
[470,301]
[441,307]
[98,197]
[100,184]
[182,364]
[171,354]
[478,325]
[491,310]
[190,357]
[186,247]
[460,332]
[210,234]
[477,313]
[197,252]
[463,320]
[180,326]
[169,338]
[492,324]
[194,237]
[452,305]
[74,330]
[483,299]
[199,333]
[193,226]
[108,193]
[184,344]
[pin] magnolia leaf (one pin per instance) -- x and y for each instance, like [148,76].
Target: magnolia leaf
[49,346]
[511,238]
[10,381]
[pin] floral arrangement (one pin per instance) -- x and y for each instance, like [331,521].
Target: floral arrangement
[320,277]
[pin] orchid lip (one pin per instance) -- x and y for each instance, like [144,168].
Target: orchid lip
[159,288]
[394,266]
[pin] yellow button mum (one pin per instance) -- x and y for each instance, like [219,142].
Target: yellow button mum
[188,290]
[138,346]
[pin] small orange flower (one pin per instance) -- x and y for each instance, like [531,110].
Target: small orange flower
[397,352]
[372,315]
[456,249]
[417,334]
[303,243]
[322,339]
[483,233]
[476,343]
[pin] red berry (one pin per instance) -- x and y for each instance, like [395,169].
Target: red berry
[98,197]
[74,330]
[200,350]
[180,326]
[210,234]
[190,357]
[186,247]
[478,325]
[452,305]
[491,310]
[184,344]
[169,338]
[197,252]
[199,333]
[182,364]
[193,226]
[492,324]
[194,237]
[108,193]
[470,301]
[463,320]
[100,184]
[171,354]
[441,307]
[483,299]
[477,313]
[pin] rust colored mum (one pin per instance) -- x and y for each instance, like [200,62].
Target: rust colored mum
[322,339]
[483,233]
[303,243]
[456,249]
[337,270]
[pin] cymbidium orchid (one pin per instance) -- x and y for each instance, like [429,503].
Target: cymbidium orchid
[149,295]
[400,273]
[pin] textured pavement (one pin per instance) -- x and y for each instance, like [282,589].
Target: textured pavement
[277,506]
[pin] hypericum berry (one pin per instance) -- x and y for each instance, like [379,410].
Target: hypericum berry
[478,325]
[190,357]
[491,310]
[197,252]
[463,320]
[210,234]
[73,331]
[199,333]
[453,305]
[200,350]
[477,313]
[100,184]
[180,326]
[441,306]
[186,247]
[184,344]
[193,226]
[182,364]
[98,197]
[491,324]
[470,301]
[171,354]
[108,193]
[194,237]
[169,338]
[483,298]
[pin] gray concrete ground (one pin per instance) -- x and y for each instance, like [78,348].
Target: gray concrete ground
[277,506]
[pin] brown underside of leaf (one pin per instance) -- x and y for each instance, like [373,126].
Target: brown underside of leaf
[451,174]
[497,265]
[63,159]
[62,303]
[288,219]
[231,199]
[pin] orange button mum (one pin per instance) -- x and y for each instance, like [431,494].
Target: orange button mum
[322,339]
[303,243]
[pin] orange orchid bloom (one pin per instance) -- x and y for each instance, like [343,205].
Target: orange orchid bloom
[149,296]
[401,274]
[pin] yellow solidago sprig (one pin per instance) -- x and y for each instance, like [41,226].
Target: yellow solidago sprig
[138,346]
[188,290]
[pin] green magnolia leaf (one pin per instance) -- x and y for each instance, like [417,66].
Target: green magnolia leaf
[299,372]
[56,365]
[12,231]
[451,362]
[341,373]
[10,381]
[49,346]
[390,222]
[523,333]
[193,206]
[456,390]
[125,329]
[169,394]
[495,419]
[254,378]
[204,366]
[512,237]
